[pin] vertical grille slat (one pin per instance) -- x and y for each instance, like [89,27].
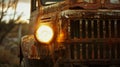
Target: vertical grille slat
[109,25]
[95,51]
[116,55]
[81,52]
[75,51]
[89,51]
[86,27]
[89,29]
[98,51]
[98,30]
[80,28]
[101,29]
[107,29]
[72,51]
[95,29]
[83,29]
[112,29]
[84,51]
[104,32]
[118,28]
[93,54]
[117,51]
[115,29]
[87,54]
[110,52]
[92,25]
[113,52]
[68,52]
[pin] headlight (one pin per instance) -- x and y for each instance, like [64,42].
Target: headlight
[44,34]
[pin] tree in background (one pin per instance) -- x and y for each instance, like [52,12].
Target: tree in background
[6,27]
[10,33]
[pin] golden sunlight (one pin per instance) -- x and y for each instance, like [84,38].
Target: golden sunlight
[61,37]
[8,15]
[23,9]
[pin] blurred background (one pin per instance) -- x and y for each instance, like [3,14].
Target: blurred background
[14,23]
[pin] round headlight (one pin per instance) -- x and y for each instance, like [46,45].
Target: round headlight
[44,34]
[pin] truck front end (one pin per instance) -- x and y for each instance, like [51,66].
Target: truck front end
[75,33]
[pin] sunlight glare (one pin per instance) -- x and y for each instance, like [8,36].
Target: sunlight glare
[23,9]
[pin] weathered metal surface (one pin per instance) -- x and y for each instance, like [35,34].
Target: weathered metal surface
[91,29]
[71,4]
[100,13]
[32,49]
[29,49]
[92,40]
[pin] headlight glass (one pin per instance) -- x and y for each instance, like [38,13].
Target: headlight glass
[44,33]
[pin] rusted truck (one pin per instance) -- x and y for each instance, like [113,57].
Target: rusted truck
[73,33]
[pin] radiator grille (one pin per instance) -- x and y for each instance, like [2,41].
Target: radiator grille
[90,51]
[93,29]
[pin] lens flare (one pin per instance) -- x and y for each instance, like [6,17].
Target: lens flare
[44,34]
[61,37]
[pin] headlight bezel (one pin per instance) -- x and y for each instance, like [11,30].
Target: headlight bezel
[45,24]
